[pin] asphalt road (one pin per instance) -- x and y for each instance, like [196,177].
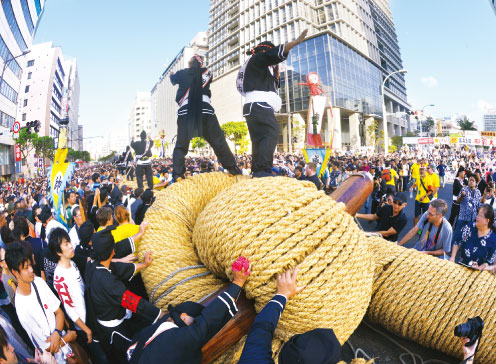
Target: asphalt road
[376,341]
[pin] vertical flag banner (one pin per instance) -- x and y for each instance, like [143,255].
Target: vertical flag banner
[318,156]
[59,174]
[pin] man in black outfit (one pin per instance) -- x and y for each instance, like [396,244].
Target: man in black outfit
[258,81]
[143,150]
[196,117]
[391,218]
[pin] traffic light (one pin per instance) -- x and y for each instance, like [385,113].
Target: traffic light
[33,124]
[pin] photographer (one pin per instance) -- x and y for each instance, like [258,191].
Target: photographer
[391,218]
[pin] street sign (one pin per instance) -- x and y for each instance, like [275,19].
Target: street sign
[18,156]
[16,127]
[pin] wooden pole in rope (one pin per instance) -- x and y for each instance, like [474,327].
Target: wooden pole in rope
[353,192]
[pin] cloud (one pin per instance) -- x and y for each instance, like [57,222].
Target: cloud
[429,81]
[484,105]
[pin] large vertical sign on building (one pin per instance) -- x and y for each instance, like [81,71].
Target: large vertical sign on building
[18,155]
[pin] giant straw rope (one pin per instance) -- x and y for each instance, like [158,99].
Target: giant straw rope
[199,226]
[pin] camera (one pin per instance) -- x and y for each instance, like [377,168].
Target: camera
[472,330]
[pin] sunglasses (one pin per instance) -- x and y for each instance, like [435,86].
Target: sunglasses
[398,202]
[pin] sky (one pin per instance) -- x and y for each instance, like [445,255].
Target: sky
[123,46]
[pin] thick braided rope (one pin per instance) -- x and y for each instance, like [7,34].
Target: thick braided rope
[280,223]
[172,218]
[423,298]
[416,296]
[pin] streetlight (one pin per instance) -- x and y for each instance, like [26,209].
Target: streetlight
[5,64]
[422,110]
[384,117]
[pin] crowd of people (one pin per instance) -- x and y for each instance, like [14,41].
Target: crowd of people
[72,289]
[76,288]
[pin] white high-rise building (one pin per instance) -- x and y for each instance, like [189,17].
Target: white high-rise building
[140,117]
[118,140]
[164,93]
[43,89]
[18,22]
[490,120]
[71,104]
[351,44]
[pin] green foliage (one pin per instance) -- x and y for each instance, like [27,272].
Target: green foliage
[371,133]
[428,124]
[27,142]
[236,132]
[397,141]
[198,143]
[74,155]
[415,133]
[44,147]
[392,148]
[466,124]
[109,157]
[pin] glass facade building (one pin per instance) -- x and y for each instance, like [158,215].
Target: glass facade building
[19,19]
[351,44]
[347,78]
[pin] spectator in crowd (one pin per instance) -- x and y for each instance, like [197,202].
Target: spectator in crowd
[147,199]
[434,180]
[70,199]
[441,169]
[469,199]
[37,307]
[125,229]
[424,193]
[311,175]
[458,184]
[481,182]
[477,241]
[390,218]
[137,203]
[435,231]
[389,177]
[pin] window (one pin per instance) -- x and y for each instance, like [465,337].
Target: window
[7,55]
[29,75]
[14,27]
[26,90]
[7,91]
[24,117]
[31,63]
[27,16]
[38,6]
[25,102]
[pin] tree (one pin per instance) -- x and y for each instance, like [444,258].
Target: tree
[428,125]
[466,124]
[236,132]
[44,147]
[397,141]
[198,143]
[109,157]
[27,142]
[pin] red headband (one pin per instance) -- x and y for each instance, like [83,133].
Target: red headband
[261,45]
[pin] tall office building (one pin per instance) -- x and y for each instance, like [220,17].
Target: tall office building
[352,46]
[44,93]
[71,103]
[18,22]
[43,88]
[140,117]
[490,120]
[164,106]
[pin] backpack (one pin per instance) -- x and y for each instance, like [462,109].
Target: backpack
[386,175]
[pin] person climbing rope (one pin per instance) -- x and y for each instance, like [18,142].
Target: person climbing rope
[196,117]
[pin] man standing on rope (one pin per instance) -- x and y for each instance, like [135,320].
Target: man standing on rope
[258,81]
[143,150]
[127,161]
[196,117]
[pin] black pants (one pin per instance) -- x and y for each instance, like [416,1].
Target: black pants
[147,169]
[130,173]
[455,210]
[264,132]
[212,133]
